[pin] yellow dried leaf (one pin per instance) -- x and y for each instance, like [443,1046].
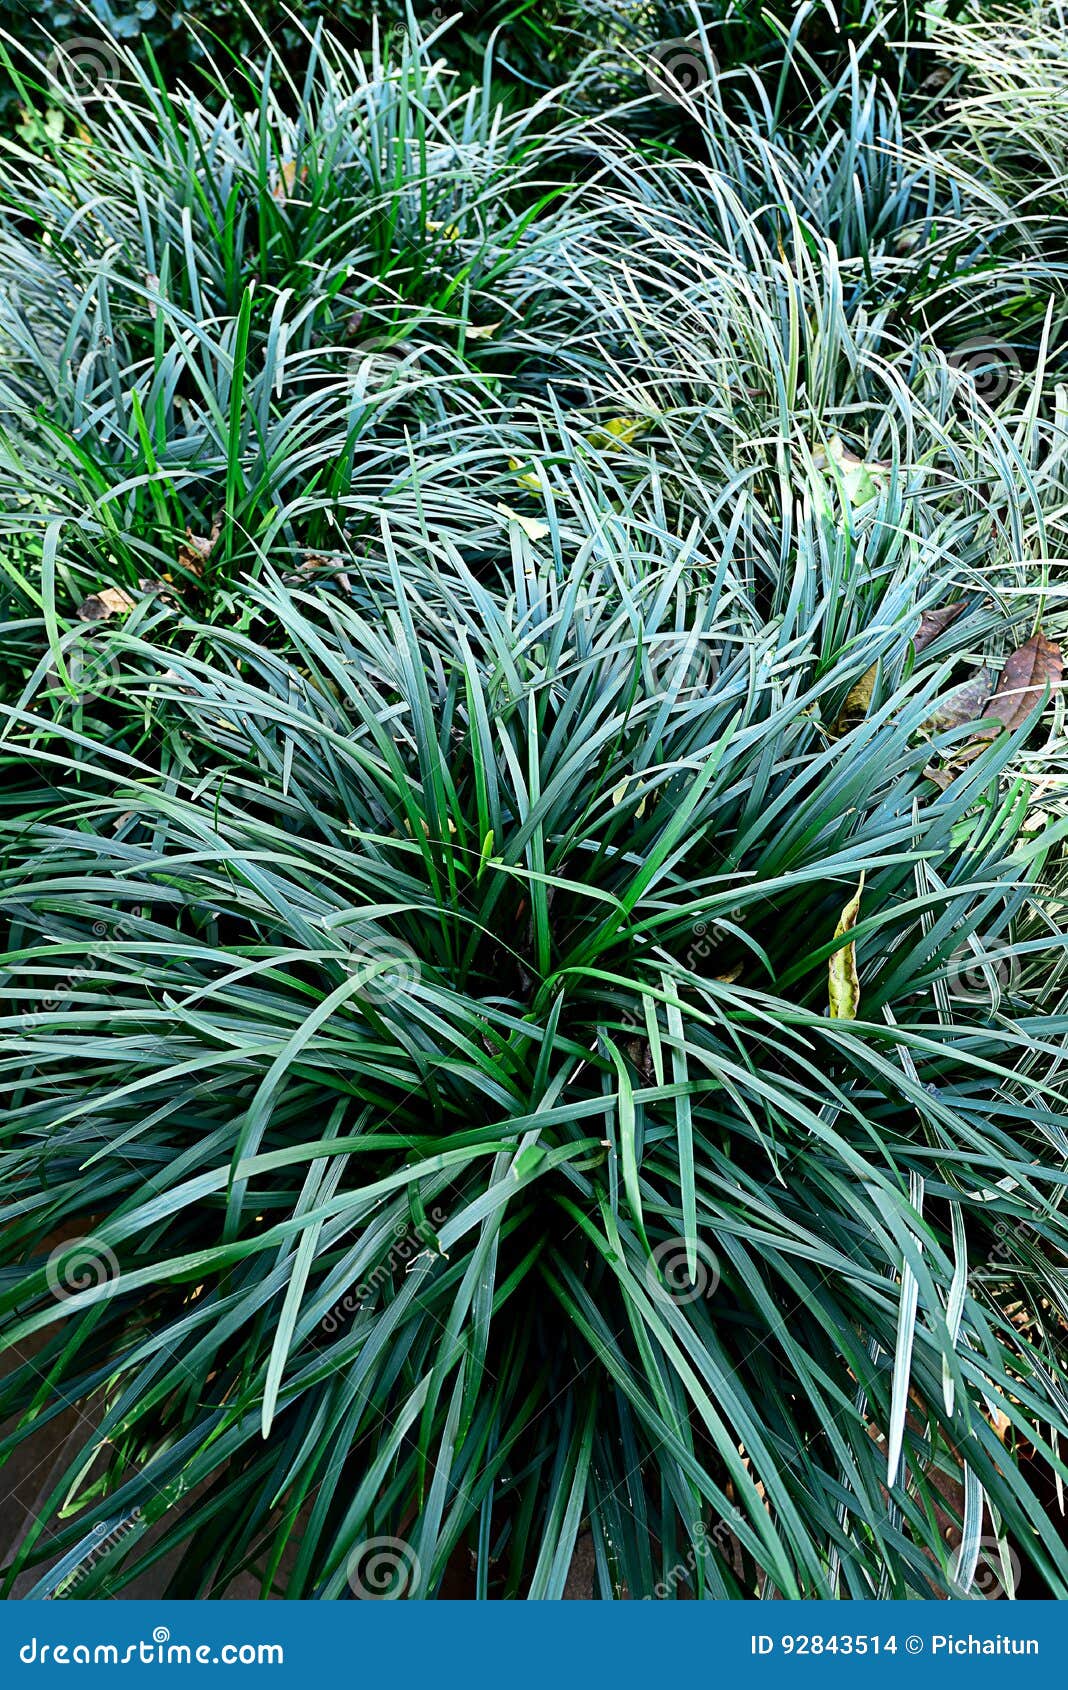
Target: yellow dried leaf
[532,528]
[617,431]
[843,983]
[527,478]
[287,179]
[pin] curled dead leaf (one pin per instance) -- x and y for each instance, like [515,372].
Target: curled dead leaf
[196,549]
[843,982]
[1028,672]
[526,478]
[857,701]
[287,179]
[617,431]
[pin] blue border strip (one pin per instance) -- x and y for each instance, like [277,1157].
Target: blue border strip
[554,1646]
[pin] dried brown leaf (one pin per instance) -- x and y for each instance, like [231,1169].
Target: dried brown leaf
[934,622]
[1026,675]
[102,606]
[965,703]
[1030,669]
[196,549]
[857,701]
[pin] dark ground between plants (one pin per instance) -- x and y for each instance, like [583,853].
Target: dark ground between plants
[532,804]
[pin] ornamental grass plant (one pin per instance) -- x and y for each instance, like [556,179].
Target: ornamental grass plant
[534,987]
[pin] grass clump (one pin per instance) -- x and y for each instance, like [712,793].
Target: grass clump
[533,970]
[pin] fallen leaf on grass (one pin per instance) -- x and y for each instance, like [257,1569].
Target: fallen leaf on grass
[934,622]
[196,549]
[620,793]
[526,478]
[617,431]
[102,606]
[857,701]
[965,703]
[843,982]
[1023,680]
[532,528]
[287,174]
[1030,669]
[861,480]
